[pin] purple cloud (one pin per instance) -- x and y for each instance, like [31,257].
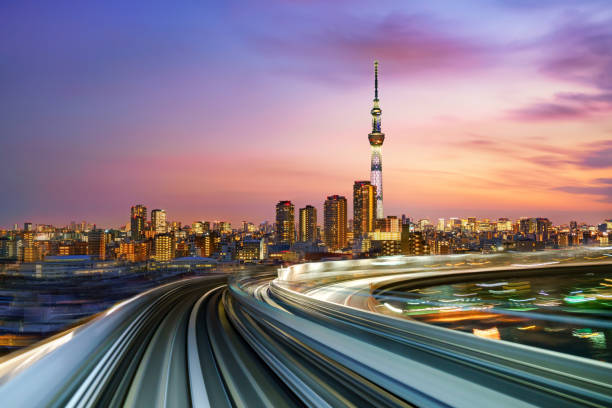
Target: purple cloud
[578,52]
[547,111]
[581,53]
[325,49]
[605,192]
[566,106]
[598,157]
[595,155]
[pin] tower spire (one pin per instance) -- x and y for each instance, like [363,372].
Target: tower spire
[375,80]
[376,138]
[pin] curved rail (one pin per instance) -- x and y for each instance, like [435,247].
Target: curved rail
[258,341]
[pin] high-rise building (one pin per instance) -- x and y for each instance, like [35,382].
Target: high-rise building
[307,228]
[96,244]
[527,226]
[27,226]
[391,224]
[138,219]
[543,226]
[376,138]
[364,208]
[225,227]
[504,224]
[163,247]
[197,227]
[158,221]
[29,249]
[203,245]
[335,222]
[285,223]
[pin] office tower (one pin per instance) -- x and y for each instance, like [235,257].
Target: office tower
[96,244]
[225,227]
[543,226]
[504,224]
[126,251]
[5,247]
[27,226]
[28,238]
[364,208]
[138,220]
[285,223]
[197,227]
[163,247]
[527,226]
[158,221]
[376,138]
[335,222]
[307,228]
[392,224]
[30,252]
[203,244]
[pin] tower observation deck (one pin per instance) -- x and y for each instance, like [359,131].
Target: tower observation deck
[376,138]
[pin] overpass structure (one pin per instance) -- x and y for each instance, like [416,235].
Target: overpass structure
[293,338]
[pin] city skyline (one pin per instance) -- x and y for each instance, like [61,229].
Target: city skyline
[485,122]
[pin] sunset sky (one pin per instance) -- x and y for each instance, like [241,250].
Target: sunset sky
[217,110]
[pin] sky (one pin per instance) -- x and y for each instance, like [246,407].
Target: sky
[218,110]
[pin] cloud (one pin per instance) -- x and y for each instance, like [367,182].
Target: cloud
[578,52]
[598,155]
[326,49]
[604,192]
[564,106]
[581,53]
[593,155]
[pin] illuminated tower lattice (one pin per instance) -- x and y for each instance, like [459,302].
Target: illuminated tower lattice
[376,138]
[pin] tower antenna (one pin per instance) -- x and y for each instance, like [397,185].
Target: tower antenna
[376,80]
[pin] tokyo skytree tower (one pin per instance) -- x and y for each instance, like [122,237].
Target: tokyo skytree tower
[376,138]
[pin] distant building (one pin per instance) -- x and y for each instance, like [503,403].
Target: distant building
[164,247]
[203,245]
[335,222]
[7,248]
[413,243]
[307,228]
[224,227]
[504,224]
[252,250]
[385,248]
[364,208]
[133,251]
[138,220]
[442,247]
[96,244]
[543,226]
[527,226]
[285,223]
[197,227]
[390,224]
[158,221]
